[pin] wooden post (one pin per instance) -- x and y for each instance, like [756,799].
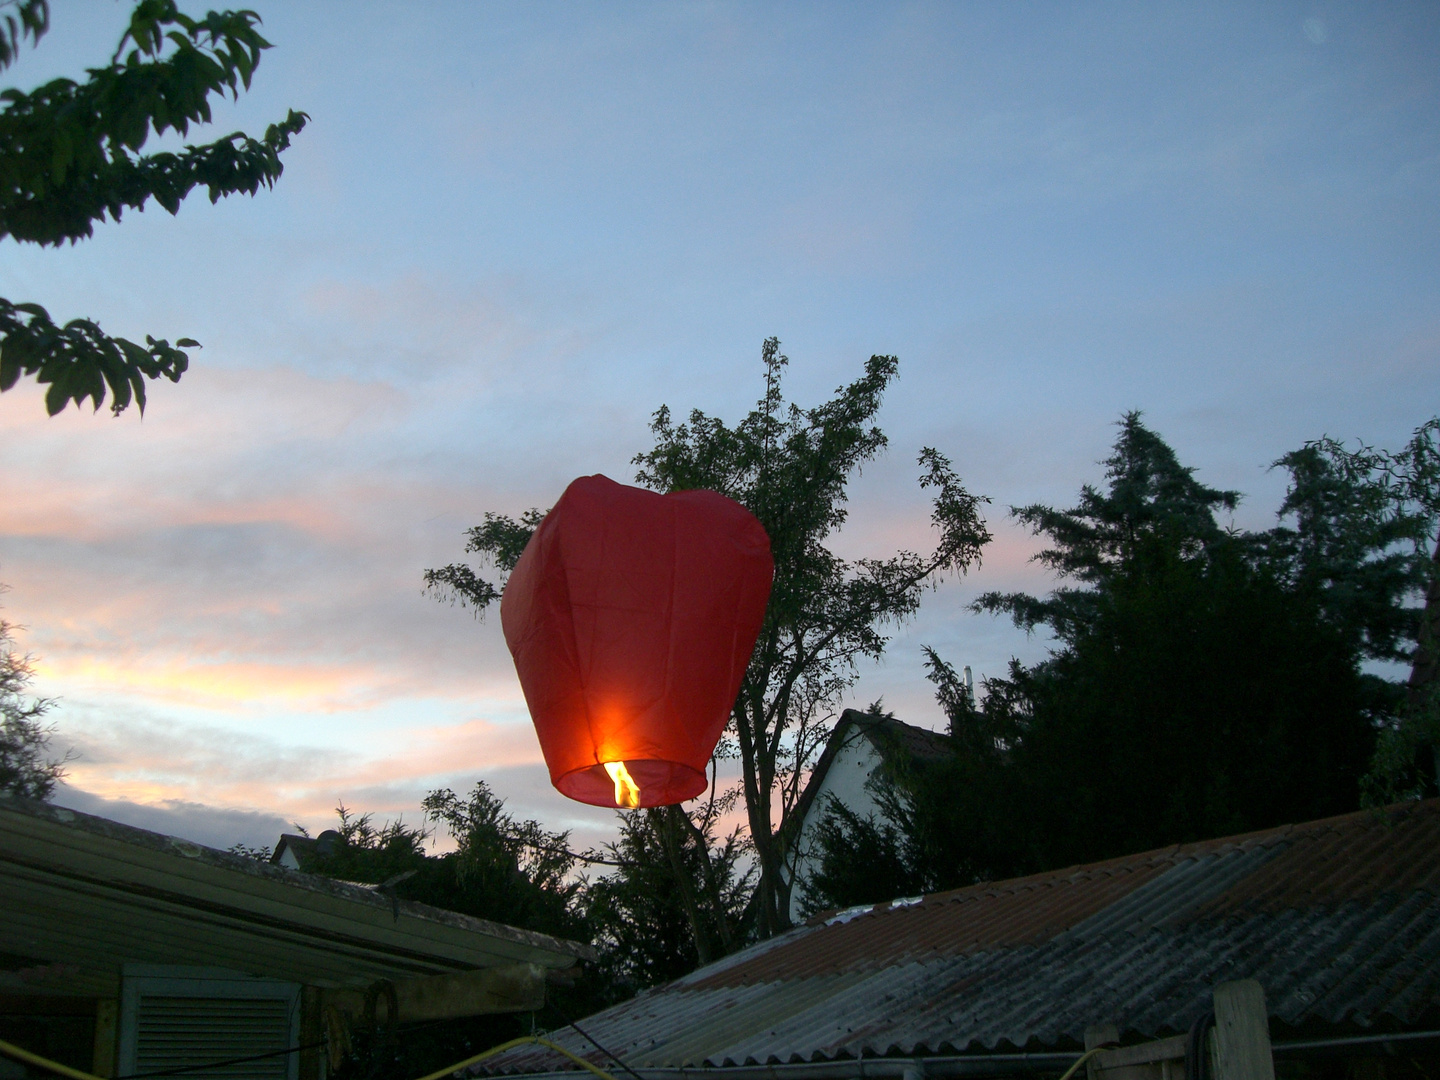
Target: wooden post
[1098,1035]
[312,1030]
[107,1012]
[1242,1032]
[1161,1059]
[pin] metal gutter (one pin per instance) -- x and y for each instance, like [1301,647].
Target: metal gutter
[1342,1041]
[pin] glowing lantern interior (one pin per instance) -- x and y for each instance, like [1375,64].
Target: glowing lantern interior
[631,617]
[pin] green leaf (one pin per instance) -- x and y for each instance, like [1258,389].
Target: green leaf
[67,149]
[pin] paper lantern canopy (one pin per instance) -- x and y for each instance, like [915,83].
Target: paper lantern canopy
[631,617]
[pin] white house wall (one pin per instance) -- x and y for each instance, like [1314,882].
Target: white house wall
[846,779]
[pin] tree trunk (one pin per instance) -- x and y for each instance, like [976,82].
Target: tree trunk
[1427,656]
[664,828]
[771,920]
[712,883]
[758,761]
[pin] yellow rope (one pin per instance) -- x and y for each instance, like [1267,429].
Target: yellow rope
[76,1074]
[1084,1058]
[44,1063]
[518,1042]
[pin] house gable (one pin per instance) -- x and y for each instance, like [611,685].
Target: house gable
[857,748]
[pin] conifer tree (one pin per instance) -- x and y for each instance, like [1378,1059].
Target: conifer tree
[1203,680]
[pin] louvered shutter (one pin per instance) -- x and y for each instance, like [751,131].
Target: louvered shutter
[183,1032]
[179,1017]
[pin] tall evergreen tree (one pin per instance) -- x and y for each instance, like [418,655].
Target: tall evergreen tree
[1153,511]
[1365,541]
[1204,681]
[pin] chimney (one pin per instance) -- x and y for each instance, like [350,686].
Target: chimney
[967,703]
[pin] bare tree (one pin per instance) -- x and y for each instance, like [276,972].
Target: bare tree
[26,767]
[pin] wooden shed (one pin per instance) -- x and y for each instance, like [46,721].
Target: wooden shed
[123,952]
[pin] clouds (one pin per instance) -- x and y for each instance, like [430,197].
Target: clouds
[510,233]
[217,768]
[209,825]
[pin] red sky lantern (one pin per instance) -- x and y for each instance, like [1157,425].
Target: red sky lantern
[631,617]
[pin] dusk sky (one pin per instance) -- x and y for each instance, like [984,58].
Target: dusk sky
[512,231]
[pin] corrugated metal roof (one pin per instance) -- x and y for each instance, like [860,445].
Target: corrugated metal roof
[81,896]
[1339,920]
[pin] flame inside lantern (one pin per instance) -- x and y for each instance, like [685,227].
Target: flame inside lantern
[627,792]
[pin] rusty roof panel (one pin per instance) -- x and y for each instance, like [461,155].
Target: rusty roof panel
[1333,861]
[1339,920]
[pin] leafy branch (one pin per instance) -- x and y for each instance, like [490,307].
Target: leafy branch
[70,157]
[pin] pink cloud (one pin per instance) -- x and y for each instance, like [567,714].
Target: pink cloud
[147,760]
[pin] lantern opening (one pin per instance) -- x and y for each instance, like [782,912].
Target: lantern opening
[657,783]
[627,792]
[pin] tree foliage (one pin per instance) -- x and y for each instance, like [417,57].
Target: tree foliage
[1205,681]
[864,859]
[27,18]
[503,869]
[523,870]
[673,902]
[27,767]
[790,466]
[1365,541]
[1152,508]
[516,871]
[70,156]
[643,930]
[639,910]
[1359,533]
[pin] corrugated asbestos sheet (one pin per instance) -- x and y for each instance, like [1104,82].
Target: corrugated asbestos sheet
[81,896]
[1339,920]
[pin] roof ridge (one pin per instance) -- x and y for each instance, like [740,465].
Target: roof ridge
[179,847]
[1172,853]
